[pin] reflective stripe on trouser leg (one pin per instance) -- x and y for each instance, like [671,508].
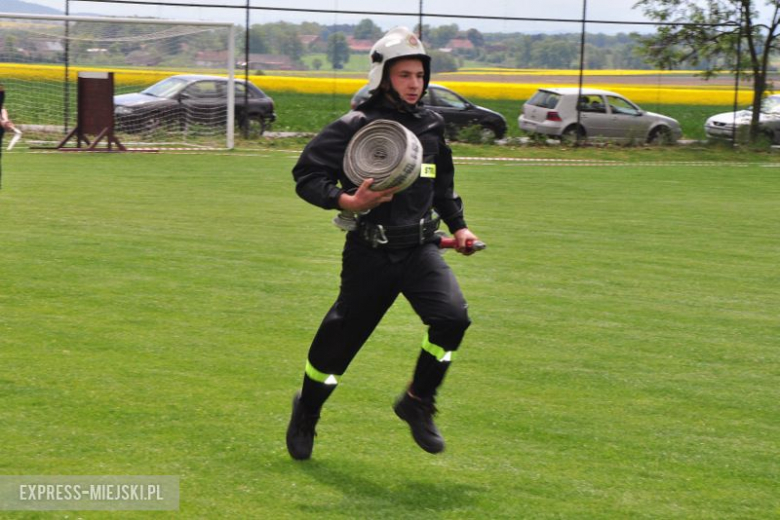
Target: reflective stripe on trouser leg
[317,387]
[320,377]
[432,365]
[436,351]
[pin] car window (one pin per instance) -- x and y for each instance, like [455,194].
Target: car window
[619,105]
[592,103]
[445,98]
[205,89]
[544,99]
[241,90]
[166,88]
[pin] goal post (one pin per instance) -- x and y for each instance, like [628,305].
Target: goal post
[42,55]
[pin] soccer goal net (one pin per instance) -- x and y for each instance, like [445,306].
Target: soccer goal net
[173,80]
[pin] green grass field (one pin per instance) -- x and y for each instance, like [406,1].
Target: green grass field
[156,310]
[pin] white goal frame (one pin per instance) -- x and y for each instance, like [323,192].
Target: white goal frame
[231,60]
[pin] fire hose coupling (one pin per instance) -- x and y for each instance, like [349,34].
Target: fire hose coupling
[385,151]
[446,242]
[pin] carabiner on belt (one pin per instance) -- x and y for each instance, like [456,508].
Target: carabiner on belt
[378,236]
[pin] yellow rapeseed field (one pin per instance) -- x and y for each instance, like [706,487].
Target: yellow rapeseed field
[679,95]
[500,71]
[693,95]
[37,72]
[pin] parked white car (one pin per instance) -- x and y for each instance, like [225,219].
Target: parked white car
[721,126]
[553,111]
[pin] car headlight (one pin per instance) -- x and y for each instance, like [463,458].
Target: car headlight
[123,111]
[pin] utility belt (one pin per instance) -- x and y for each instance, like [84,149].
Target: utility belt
[397,237]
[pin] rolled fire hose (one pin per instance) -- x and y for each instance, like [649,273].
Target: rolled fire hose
[385,151]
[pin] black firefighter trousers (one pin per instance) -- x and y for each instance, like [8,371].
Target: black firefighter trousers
[371,280]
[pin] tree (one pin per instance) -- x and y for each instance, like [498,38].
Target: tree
[713,42]
[338,50]
[555,53]
[476,38]
[310,28]
[423,32]
[520,50]
[258,40]
[290,45]
[11,52]
[440,36]
[366,29]
[595,58]
[442,62]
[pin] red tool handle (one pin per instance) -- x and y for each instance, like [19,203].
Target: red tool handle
[451,243]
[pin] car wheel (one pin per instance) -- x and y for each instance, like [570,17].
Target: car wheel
[491,133]
[488,135]
[660,135]
[254,127]
[572,134]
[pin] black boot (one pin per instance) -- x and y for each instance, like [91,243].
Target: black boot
[419,414]
[300,432]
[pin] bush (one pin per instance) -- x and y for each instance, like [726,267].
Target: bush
[443,62]
[474,134]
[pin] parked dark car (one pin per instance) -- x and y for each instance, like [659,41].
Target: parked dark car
[457,111]
[184,100]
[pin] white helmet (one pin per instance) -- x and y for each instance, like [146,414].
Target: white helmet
[396,43]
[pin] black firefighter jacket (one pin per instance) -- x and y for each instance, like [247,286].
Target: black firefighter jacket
[320,178]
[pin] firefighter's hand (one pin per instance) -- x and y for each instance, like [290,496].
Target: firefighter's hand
[365,198]
[6,123]
[463,238]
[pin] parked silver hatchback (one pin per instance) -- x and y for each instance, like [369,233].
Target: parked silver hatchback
[553,111]
[721,126]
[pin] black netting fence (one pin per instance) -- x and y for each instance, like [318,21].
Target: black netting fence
[312,57]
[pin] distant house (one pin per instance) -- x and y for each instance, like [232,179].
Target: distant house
[256,61]
[42,49]
[359,45]
[458,44]
[269,62]
[211,59]
[308,39]
[313,42]
[48,46]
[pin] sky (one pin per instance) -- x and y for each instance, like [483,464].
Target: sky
[617,10]
[567,9]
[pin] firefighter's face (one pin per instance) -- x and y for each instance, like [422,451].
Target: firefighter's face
[407,76]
